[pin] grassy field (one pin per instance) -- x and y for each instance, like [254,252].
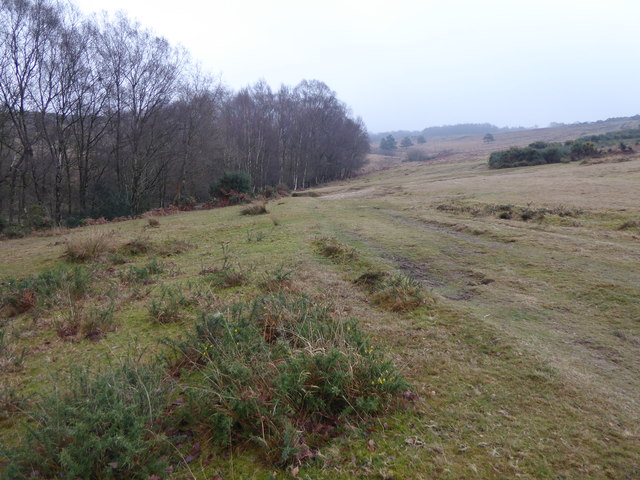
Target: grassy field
[526,364]
[470,148]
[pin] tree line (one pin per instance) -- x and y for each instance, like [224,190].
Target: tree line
[101,117]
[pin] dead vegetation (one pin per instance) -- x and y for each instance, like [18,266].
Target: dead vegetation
[87,248]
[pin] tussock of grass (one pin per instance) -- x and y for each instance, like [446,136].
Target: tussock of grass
[92,323]
[256,208]
[144,274]
[174,247]
[629,225]
[371,280]
[396,293]
[87,248]
[137,246]
[331,248]
[225,277]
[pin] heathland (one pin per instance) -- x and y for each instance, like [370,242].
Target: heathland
[504,303]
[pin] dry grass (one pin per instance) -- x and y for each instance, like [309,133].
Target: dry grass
[331,248]
[87,248]
[400,293]
[256,208]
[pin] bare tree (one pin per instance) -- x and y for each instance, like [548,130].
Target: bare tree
[25,29]
[143,77]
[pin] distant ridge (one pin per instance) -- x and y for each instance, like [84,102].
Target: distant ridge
[477,129]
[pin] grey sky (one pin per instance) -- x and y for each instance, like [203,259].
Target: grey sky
[409,64]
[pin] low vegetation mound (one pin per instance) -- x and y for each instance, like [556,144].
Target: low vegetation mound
[542,153]
[82,249]
[99,426]
[282,373]
[256,208]
[331,248]
[46,289]
[394,292]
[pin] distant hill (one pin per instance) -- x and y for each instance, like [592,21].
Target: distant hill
[444,130]
[478,129]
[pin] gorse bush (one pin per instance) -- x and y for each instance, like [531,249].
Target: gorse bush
[97,321]
[169,305]
[276,280]
[11,356]
[537,153]
[143,274]
[272,371]
[44,289]
[101,426]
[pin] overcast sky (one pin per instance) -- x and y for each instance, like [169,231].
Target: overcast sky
[412,64]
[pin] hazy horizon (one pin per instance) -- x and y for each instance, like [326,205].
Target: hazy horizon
[419,65]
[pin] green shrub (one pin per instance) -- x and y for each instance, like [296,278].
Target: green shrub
[537,153]
[98,321]
[276,280]
[169,305]
[110,203]
[15,231]
[99,427]
[225,277]
[45,289]
[142,274]
[417,155]
[36,218]
[231,182]
[276,369]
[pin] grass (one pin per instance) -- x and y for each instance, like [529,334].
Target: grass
[525,366]
[256,208]
[83,249]
[331,248]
